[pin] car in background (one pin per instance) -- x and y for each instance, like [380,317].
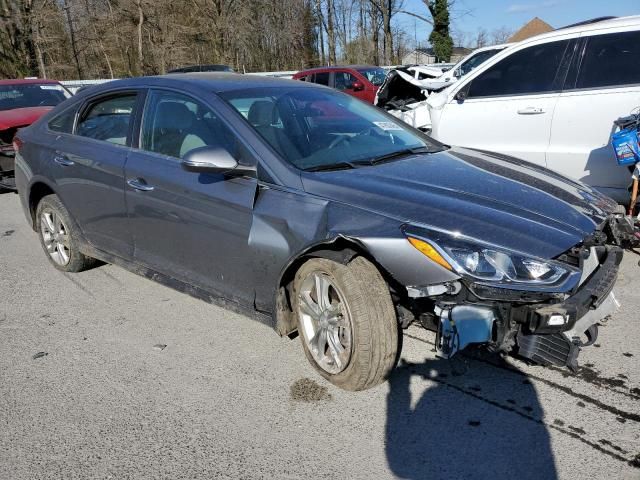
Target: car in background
[405,90]
[22,102]
[551,100]
[203,68]
[240,190]
[360,81]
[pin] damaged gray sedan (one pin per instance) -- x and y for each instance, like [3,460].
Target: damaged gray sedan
[321,215]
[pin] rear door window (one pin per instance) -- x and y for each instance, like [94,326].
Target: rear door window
[63,123]
[611,60]
[322,78]
[108,119]
[529,71]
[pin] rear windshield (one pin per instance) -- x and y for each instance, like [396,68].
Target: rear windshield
[374,75]
[32,95]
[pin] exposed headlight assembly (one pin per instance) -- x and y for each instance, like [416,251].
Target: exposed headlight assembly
[488,263]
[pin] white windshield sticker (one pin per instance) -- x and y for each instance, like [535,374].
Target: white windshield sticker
[52,87]
[387,126]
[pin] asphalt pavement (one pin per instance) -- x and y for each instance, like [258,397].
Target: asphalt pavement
[105,374]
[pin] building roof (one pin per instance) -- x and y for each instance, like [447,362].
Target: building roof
[531,29]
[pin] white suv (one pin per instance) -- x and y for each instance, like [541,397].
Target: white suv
[551,100]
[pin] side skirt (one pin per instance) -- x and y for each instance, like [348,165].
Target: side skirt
[183,287]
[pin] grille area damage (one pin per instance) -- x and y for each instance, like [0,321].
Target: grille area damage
[543,327]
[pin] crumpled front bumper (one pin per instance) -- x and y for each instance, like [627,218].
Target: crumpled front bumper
[547,333]
[594,300]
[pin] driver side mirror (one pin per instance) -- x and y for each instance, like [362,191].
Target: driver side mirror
[213,160]
[357,86]
[463,93]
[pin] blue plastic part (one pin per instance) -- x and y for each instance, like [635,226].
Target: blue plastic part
[462,326]
[625,146]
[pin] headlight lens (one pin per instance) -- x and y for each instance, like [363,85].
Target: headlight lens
[491,264]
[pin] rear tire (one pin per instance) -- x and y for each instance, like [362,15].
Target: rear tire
[59,236]
[351,304]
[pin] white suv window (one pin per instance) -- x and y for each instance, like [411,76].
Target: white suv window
[528,71]
[611,60]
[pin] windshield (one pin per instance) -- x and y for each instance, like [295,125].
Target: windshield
[374,75]
[476,60]
[32,95]
[316,129]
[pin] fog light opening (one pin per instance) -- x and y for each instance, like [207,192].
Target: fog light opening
[556,320]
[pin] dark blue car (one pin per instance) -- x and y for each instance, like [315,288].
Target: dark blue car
[323,215]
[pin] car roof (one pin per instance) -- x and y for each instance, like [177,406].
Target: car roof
[589,26]
[213,81]
[492,47]
[27,81]
[336,67]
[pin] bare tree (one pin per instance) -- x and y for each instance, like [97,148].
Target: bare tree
[482,38]
[501,35]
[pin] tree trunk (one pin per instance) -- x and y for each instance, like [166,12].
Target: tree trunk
[331,33]
[72,37]
[42,71]
[388,35]
[323,57]
[375,36]
[139,32]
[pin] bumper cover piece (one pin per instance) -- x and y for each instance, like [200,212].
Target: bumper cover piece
[594,292]
[461,326]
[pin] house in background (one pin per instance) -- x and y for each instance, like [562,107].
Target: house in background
[531,29]
[425,56]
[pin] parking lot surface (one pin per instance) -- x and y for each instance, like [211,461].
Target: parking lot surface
[105,374]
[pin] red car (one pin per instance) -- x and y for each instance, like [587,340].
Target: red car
[22,102]
[360,81]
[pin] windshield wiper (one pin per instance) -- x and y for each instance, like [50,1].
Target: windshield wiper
[331,166]
[399,153]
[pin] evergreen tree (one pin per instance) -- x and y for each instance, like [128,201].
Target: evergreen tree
[440,37]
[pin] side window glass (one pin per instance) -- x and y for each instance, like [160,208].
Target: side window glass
[476,61]
[174,124]
[529,71]
[611,60]
[108,119]
[343,80]
[63,123]
[322,78]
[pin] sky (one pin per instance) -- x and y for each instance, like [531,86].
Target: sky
[513,14]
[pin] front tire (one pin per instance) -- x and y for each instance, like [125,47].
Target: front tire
[346,321]
[59,236]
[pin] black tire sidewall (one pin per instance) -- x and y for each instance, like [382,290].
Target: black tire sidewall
[365,322]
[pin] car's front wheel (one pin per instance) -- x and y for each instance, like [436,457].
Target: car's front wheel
[59,236]
[346,321]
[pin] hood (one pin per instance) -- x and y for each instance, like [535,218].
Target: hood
[21,117]
[486,196]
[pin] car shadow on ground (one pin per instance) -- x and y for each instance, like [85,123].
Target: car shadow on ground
[466,426]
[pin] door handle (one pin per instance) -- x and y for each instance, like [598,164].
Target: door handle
[63,160]
[139,184]
[531,111]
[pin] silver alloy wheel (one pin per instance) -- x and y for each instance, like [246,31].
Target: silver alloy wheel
[55,237]
[325,322]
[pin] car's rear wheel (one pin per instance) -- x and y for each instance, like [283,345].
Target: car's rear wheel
[346,321]
[59,236]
